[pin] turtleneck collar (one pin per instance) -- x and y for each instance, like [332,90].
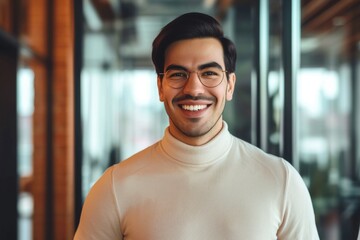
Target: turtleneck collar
[205,154]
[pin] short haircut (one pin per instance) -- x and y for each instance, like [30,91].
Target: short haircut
[189,26]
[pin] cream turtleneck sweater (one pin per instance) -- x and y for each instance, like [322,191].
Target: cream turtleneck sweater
[225,189]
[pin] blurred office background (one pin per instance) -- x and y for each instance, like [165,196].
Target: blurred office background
[78,94]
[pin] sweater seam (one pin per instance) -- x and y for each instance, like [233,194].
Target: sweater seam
[115,198]
[286,189]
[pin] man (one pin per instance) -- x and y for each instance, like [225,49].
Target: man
[198,181]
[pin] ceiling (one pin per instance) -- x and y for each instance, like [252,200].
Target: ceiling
[322,17]
[133,24]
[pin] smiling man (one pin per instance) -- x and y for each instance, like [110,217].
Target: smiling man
[198,181]
[194,89]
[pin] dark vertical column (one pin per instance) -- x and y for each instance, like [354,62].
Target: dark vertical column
[354,116]
[49,188]
[8,139]
[9,49]
[291,53]
[260,80]
[78,55]
[255,83]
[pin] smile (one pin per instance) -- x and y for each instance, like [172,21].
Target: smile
[193,107]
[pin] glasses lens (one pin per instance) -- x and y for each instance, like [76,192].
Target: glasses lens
[176,78]
[211,77]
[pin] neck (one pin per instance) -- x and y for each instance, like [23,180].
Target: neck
[197,140]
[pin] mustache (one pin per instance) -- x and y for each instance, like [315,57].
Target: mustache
[194,98]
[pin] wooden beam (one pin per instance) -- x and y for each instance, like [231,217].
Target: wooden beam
[331,12]
[312,8]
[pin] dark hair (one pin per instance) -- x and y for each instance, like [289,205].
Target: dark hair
[188,26]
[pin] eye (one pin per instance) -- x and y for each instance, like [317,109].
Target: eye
[210,73]
[175,74]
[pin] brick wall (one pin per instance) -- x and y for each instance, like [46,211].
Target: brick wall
[36,38]
[63,120]
[62,155]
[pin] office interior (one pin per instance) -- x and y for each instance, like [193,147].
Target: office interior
[78,94]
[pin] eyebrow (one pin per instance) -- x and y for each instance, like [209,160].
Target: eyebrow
[175,67]
[200,67]
[208,65]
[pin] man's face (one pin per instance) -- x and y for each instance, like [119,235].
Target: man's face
[195,111]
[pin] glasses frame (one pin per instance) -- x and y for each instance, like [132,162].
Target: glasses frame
[188,76]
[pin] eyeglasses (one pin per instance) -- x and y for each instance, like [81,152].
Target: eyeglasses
[210,77]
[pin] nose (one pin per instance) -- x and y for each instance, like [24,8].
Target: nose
[193,86]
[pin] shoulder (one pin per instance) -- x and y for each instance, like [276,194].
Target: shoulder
[137,163]
[297,214]
[274,170]
[107,182]
[250,155]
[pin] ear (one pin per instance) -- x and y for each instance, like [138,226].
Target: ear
[230,86]
[160,89]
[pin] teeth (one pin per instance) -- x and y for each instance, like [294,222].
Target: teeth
[193,107]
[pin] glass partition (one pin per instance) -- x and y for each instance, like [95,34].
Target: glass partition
[121,115]
[326,110]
